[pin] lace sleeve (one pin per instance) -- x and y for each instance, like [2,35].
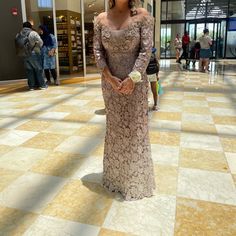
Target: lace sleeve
[145,44]
[98,48]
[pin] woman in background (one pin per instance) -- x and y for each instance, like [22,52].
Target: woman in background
[49,54]
[178,47]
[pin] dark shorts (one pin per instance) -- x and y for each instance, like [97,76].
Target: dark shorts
[205,53]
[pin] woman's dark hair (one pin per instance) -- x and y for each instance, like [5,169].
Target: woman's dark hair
[27,24]
[132,5]
[206,31]
[47,39]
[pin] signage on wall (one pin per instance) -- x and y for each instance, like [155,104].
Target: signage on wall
[14,11]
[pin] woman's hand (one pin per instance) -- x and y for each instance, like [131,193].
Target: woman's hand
[116,83]
[127,86]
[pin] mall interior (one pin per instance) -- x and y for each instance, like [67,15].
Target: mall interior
[52,141]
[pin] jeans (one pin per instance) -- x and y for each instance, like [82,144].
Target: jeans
[34,71]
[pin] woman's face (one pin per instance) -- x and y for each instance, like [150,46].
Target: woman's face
[40,31]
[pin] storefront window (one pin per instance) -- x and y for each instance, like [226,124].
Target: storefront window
[91,10]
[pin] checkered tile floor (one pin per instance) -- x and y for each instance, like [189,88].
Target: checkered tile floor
[51,146]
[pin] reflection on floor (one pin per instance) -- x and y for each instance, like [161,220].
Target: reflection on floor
[51,146]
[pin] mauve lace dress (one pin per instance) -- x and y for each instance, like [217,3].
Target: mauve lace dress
[127,164]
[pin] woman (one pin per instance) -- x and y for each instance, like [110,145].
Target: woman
[205,51]
[49,54]
[122,47]
[152,74]
[178,47]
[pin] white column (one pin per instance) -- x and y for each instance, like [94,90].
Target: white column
[55,34]
[158,28]
[83,36]
[23,10]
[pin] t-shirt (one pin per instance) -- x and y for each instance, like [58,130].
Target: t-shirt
[185,40]
[205,41]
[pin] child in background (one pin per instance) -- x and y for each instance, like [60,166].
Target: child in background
[152,74]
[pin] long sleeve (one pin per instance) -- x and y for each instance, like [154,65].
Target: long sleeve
[146,44]
[99,51]
[54,41]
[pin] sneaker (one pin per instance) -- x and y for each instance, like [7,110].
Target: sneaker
[31,89]
[43,88]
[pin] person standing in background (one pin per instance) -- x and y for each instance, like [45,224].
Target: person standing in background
[205,51]
[185,47]
[152,74]
[49,54]
[28,45]
[178,48]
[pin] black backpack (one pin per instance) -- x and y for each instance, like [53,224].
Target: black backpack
[22,44]
[153,66]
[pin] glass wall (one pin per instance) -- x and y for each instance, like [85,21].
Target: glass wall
[195,15]
[168,35]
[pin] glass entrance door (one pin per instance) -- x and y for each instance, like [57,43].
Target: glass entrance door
[216,32]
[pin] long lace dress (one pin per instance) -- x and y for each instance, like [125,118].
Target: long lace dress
[127,165]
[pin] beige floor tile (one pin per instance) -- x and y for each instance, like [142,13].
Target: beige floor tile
[22,158]
[61,127]
[197,110]
[229,144]
[66,108]
[224,120]
[96,104]
[175,116]
[199,98]
[78,117]
[35,125]
[91,130]
[197,218]
[15,222]
[200,141]
[28,114]
[7,177]
[206,185]
[83,202]
[234,178]
[45,141]
[31,192]
[16,137]
[4,149]
[203,159]
[170,102]
[166,179]
[107,232]
[165,138]
[231,159]
[196,127]
[99,151]
[50,226]
[59,164]
[149,216]
[220,105]
[24,105]
[17,99]
[79,145]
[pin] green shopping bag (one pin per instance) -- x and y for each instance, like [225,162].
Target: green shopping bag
[160,90]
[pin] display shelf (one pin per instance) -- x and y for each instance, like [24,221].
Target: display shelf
[69,41]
